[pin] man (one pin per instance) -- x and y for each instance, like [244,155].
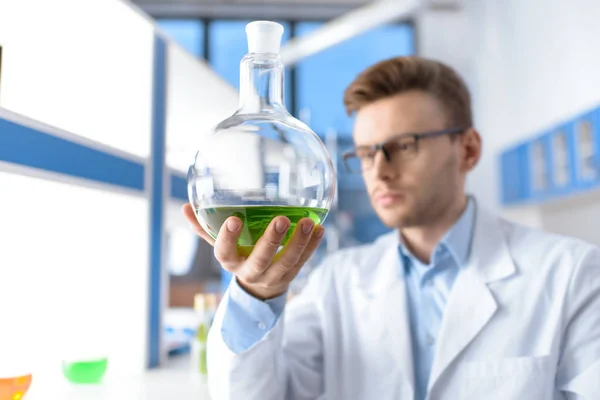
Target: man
[455,303]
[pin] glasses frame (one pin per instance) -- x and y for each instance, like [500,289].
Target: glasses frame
[381,146]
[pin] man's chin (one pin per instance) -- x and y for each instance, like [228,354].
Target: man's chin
[394,217]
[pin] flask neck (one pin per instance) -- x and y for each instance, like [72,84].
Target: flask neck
[261,83]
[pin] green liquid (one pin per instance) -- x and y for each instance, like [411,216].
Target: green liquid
[85,371]
[256,219]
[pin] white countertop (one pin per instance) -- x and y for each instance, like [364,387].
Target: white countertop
[173,381]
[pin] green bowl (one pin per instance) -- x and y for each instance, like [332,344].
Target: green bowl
[85,371]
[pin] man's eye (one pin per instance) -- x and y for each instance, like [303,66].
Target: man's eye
[401,146]
[364,155]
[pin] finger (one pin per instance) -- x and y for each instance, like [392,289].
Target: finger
[312,245]
[190,215]
[226,244]
[293,249]
[261,257]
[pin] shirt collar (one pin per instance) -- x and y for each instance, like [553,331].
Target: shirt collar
[457,241]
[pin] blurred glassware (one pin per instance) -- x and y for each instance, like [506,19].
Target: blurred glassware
[14,388]
[85,370]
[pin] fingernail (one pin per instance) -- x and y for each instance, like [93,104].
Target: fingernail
[307,227]
[233,225]
[319,233]
[281,225]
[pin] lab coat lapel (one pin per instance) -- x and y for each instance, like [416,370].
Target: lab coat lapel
[395,316]
[469,309]
[384,288]
[471,304]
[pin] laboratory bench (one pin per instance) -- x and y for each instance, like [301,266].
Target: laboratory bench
[174,380]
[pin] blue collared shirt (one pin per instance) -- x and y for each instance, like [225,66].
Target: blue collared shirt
[248,319]
[428,288]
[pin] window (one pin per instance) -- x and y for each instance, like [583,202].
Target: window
[561,159]
[189,34]
[540,174]
[586,151]
[227,46]
[323,77]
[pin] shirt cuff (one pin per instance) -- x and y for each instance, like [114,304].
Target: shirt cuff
[247,319]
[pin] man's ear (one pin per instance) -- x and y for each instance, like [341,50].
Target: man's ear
[472,149]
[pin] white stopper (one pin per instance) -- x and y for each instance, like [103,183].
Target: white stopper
[264,37]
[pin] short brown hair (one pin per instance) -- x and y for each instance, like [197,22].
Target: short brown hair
[401,74]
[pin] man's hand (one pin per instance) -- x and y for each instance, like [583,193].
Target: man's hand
[261,274]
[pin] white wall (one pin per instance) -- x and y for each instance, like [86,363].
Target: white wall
[197,99]
[83,67]
[74,260]
[536,64]
[530,65]
[73,274]
[578,216]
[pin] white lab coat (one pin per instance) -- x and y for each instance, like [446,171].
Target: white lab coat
[522,322]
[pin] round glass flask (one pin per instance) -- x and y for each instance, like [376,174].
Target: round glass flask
[260,162]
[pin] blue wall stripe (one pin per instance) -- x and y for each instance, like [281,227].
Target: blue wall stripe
[157,175]
[26,146]
[179,187]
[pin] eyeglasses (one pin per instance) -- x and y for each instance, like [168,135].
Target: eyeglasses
[400,148]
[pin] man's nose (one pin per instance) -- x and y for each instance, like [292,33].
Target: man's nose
[382,168]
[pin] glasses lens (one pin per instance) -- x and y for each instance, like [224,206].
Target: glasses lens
[353,163]
[401,149]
